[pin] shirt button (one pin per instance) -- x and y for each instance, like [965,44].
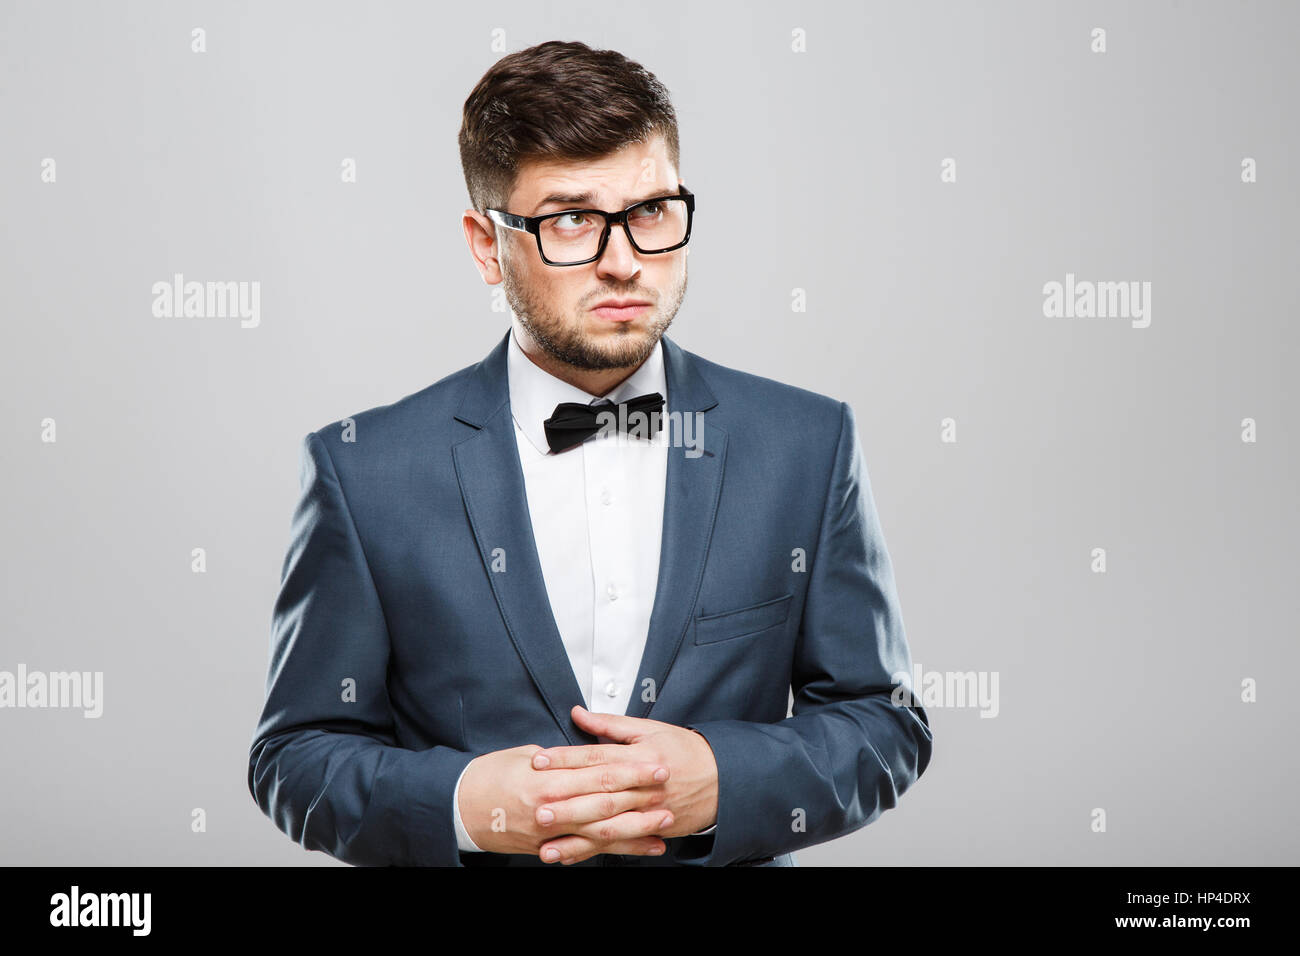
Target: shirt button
[611,689]
[612,592]
[605,496]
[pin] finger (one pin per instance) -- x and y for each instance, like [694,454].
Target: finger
[568,850]
[554,786]
[589,807]
[628,825]
[587,755]
[581,755]
[601,836]
[618,727]
[616,777]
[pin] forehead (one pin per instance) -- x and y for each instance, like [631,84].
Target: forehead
[615,180]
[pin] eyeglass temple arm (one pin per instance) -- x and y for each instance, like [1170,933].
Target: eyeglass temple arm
[509,220]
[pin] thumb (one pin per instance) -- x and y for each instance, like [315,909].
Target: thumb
[617,727]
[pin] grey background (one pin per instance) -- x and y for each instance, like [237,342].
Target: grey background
[1117,690]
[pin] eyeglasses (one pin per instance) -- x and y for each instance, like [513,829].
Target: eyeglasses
[575,237]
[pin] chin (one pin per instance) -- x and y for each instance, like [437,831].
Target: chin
[602,327]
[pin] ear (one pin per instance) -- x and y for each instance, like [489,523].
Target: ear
[482,235]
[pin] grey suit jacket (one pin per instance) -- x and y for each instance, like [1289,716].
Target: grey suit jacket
[400,649]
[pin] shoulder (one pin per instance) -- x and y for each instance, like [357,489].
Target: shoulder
[411,421]
[745,397]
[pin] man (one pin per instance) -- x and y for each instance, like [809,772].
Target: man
[552,608]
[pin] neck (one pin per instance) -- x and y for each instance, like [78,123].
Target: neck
[595,382]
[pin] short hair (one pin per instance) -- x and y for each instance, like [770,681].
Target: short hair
[557,101]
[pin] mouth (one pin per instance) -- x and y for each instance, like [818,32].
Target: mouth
[621,310]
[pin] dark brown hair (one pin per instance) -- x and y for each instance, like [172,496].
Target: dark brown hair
[557,101]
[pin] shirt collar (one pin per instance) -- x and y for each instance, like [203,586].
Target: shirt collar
[534,392]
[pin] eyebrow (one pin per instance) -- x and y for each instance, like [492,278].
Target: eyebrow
[587,199]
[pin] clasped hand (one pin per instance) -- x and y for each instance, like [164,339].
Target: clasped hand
[565,804]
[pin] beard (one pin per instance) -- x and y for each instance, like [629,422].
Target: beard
[564,339]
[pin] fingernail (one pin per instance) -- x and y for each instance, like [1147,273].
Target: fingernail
[541,761]
[550,856]
[545,816]
[656,851]
[661,775]
[668,820]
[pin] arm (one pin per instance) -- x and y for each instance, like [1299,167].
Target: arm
[327,771]
[847,753]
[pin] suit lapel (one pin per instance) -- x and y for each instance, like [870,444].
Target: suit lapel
[492,487]
[690,505]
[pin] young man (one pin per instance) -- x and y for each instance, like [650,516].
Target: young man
[553,607]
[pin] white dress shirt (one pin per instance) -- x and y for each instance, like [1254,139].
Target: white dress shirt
[597,516]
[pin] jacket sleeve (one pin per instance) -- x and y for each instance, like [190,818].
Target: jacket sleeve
[848,751]
[324,764]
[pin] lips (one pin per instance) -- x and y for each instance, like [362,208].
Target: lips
[621,310]
[619,303]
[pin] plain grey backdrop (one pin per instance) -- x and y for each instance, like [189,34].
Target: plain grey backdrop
[816,169]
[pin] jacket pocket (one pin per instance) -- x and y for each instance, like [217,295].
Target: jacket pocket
[728,625]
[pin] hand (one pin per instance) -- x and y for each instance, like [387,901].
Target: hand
[501,796]
[689,793]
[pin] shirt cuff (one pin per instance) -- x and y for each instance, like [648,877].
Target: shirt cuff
[709,830]
[463,842]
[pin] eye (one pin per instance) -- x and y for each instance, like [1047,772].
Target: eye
[571,220]
[649,210]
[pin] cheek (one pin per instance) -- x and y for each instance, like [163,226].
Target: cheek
[674,277]
[561,291]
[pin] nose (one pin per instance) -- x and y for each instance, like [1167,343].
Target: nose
[619,258]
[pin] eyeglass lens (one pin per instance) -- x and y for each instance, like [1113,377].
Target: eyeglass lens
[575,236]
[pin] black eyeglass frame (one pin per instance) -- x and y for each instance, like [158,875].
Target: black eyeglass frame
[532,224]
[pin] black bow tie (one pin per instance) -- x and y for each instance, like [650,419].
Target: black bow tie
[573,422]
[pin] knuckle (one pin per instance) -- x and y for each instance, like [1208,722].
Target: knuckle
[541,792]
[608,780]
